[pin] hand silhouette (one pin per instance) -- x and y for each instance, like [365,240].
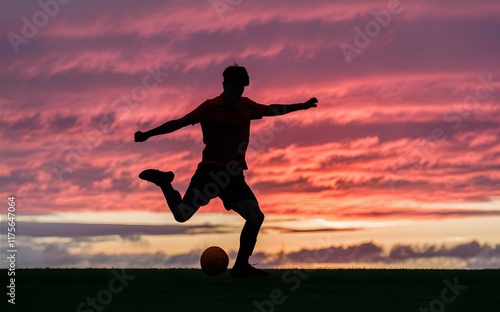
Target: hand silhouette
[311,102]
[140,136]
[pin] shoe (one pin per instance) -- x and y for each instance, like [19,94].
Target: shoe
[157,177]
[246,270]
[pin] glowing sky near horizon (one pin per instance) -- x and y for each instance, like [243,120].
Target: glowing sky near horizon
[402,149]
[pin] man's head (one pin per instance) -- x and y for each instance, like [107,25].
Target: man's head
[235,80]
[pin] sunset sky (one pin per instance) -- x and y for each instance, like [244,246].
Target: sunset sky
[398,166]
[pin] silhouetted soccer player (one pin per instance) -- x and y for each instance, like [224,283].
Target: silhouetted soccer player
[225,124]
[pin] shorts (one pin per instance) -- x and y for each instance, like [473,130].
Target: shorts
[211,181]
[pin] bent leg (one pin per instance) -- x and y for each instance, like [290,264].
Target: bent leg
[181,211]
[183,208]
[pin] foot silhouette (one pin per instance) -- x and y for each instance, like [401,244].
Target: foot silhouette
[246,270]
[156,176]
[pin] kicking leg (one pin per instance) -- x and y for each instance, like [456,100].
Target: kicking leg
[182,209]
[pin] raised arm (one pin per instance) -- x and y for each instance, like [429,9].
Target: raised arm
[169,126]
[282,109]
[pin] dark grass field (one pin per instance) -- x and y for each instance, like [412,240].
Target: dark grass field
[285,290]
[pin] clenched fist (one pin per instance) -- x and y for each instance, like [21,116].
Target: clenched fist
[140,136]
[311,102]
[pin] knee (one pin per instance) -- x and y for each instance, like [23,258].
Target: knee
[259,217]
[181,218]
[183,213]
[256,215]
[250,211]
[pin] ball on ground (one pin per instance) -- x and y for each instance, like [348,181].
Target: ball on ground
[214,261]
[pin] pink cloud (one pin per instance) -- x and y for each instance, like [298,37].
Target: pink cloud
[373,118]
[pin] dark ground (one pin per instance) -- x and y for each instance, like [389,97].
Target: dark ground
[144,290]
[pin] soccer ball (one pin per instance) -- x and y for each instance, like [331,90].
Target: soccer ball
[214,261]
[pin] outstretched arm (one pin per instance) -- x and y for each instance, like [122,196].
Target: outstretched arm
[169,126]
[282,109]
